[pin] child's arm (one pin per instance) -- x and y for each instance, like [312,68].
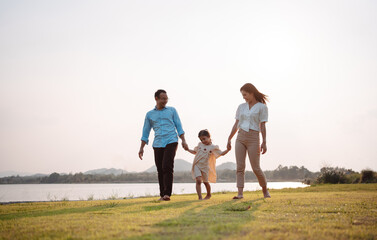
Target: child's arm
[191,151]
[218,153]
[224,152]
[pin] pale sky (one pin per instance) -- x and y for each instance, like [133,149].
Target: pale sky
[77,78]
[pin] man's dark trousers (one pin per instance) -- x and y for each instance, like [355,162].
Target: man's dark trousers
[164,159]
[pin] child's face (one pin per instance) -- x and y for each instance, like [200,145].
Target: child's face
[205,140]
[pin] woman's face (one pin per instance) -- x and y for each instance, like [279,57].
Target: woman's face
[247,96]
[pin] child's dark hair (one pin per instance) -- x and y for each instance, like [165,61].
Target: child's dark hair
[204,133]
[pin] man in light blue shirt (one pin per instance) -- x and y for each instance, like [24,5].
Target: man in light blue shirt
[167,127]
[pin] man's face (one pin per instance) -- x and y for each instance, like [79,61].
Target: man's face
[162,100]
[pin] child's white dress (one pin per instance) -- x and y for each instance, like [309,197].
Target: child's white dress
[205,161]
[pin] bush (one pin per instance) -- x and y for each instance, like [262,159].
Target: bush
[331,175]
[353,178]
[368,176]
[337,175]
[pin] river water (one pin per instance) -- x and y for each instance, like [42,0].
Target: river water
[58,192]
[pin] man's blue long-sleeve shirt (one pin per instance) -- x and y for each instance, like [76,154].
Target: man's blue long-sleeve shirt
[165,123]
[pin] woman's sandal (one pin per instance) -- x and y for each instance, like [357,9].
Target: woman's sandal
[266,195]
[237,197]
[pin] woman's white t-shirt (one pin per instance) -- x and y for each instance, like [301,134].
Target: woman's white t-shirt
[251,118]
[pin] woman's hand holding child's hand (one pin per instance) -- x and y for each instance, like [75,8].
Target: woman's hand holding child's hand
[263,147]
[229,145]
[225,152]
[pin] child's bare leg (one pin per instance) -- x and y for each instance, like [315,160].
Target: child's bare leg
[199,187]
[208,187]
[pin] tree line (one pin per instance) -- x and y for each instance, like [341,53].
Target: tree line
[342,175]
[281,173]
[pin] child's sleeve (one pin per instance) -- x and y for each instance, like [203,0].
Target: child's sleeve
[196,148]
[216,151]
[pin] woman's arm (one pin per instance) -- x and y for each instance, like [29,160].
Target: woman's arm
[234,130]
[264,141]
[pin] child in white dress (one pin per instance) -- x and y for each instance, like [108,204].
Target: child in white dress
[204,165]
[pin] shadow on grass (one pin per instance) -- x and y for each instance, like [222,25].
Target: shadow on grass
[99,207]
[169,205]
[214,222]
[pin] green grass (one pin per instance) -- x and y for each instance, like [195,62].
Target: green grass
[316,212]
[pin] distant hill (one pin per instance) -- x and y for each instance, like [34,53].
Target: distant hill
[182,175]
[106,171]
[21,174]
[180,165]
[227,165]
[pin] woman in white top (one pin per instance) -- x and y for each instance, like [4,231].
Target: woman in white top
[251,118]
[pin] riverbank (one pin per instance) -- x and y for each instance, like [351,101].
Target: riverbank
[108,191]
[316,212]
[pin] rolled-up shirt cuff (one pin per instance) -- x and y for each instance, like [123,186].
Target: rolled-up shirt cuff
[145,140]
[180,133]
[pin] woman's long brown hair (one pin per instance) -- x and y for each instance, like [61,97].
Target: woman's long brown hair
[250,88]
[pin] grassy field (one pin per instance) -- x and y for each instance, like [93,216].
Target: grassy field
[316,212]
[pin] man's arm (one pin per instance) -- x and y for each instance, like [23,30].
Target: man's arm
[144,139]
[141,151]
[178,126]
[184,143]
